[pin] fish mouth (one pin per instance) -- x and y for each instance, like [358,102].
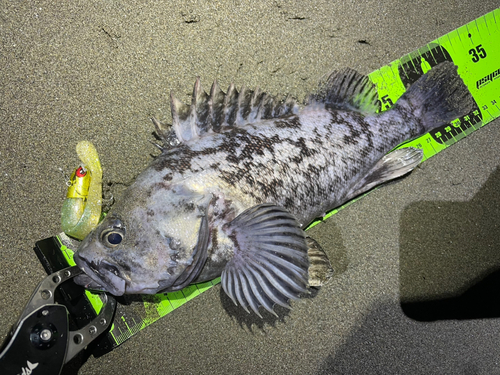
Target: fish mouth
[102,276]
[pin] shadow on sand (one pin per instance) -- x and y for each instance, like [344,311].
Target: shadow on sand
[450,257]
[449,275]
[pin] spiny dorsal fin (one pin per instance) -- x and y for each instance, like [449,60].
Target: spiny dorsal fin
[211,112]
[347,89]
[165,134]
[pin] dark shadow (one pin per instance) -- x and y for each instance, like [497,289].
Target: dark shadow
[450,257]
[387,342]
[251,319]
[478,302]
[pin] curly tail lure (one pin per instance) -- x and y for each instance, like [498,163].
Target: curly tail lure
[81,209]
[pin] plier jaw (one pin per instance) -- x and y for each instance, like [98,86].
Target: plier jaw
[41,338]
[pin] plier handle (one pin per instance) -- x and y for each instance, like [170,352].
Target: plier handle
[41,338]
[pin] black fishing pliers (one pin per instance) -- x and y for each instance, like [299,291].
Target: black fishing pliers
[41,341]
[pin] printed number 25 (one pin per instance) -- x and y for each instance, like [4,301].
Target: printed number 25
[477,53]
[386,101]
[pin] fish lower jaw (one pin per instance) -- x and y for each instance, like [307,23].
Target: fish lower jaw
[101,279]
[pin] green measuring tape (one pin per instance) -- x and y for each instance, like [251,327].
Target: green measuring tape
[474,48]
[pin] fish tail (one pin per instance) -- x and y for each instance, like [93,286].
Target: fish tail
[436,98]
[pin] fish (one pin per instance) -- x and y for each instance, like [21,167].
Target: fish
[240,176]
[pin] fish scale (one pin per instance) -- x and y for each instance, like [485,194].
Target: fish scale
[241,161]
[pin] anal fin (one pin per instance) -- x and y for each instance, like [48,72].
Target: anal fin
[320,269]
[391,166]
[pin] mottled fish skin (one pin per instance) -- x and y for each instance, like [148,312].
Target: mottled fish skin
[305,163]
[189,216]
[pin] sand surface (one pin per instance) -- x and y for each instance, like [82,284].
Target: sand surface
[81,70]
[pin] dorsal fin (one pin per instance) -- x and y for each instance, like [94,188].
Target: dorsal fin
[347,89]
[214,111]
[165,134]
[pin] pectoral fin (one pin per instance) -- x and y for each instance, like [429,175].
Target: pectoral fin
[270,263]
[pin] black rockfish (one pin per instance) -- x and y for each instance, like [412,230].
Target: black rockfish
[241,174]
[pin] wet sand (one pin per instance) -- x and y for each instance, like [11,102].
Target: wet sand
[415,289]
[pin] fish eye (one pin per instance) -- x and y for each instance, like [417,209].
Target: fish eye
[113,236]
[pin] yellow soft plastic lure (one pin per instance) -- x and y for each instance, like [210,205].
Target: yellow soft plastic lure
[81,209]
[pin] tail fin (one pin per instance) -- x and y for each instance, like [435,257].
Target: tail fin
[438,97]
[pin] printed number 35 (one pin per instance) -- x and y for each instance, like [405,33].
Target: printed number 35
[477,53]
